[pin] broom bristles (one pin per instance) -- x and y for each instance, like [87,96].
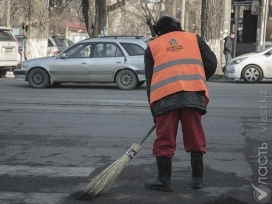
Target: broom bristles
[103,181]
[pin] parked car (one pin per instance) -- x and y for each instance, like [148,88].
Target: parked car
[251,67]
[9,56]
[54,46]
[115,59]
[64,42]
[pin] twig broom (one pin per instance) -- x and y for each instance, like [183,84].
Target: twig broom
[103,181]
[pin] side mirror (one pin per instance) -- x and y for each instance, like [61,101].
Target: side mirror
[63,56]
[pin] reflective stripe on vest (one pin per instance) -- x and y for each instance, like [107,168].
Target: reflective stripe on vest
[177,65]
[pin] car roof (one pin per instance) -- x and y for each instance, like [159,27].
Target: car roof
[127,39]
[114,39]
[58,36]
[4,28]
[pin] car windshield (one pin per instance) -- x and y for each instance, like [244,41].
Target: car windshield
[79,51]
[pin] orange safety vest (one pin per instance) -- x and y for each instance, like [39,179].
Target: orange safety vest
[178,65]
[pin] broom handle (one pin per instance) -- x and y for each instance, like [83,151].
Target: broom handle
[147,134]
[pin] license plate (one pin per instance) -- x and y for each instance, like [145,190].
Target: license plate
[9,49]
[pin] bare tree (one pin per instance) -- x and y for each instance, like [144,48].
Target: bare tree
[168,8]
[102,21]
[8,12]
[147,12]
[35,25]
[90,16]
[171,8]
[182,13]
[126,17]
[57,15]
[210,26]
[36,18]
[90,12]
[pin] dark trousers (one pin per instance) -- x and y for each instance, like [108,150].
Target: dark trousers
[166,130]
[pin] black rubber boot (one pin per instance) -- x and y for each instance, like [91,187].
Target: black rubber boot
[163,181]
[197,170]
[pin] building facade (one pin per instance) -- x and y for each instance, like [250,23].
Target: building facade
[255,23]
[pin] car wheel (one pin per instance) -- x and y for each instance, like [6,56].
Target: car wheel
[3,72]
[140,83]
[126,79]
[252,73]
[38,78]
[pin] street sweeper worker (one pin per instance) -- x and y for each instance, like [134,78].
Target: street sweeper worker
[177,66]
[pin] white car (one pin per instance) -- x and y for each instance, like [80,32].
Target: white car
[9,56]
[251,67]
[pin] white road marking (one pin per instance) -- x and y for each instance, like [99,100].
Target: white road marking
[45,197]
[50,171]
[32,198]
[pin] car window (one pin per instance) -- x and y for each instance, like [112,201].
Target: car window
[50,43]
[63,42]
[57,41]
[107,50]
[133,49]
[79,51]
[5,35]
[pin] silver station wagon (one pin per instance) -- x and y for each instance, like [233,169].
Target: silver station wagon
[110,59]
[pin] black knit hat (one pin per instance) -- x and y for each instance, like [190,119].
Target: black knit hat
[166,24]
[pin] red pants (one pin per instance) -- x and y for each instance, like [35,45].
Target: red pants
[166,130]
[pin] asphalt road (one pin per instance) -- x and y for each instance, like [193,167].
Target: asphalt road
[54,140]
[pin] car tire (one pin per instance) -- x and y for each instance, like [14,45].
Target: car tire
[126,79]
[38,78]
[3,72]
[140,83]
[251,74]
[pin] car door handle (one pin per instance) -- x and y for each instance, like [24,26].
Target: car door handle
[118,62]
[83,63]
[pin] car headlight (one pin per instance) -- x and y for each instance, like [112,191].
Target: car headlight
[238,61]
